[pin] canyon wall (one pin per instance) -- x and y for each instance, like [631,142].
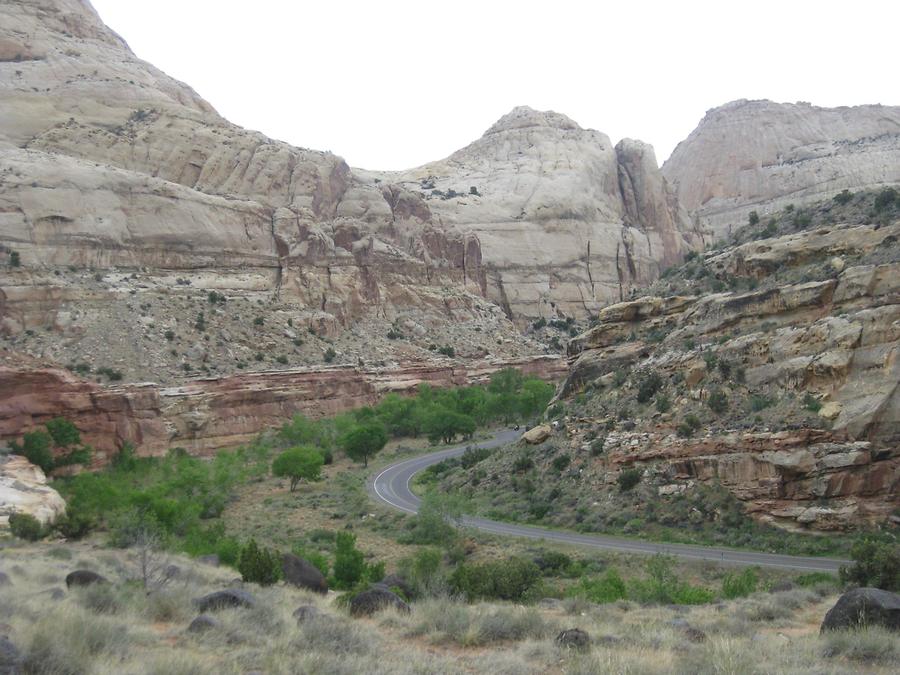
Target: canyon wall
[205,415]
[761,156]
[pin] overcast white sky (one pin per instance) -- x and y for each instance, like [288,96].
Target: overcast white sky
[394,84]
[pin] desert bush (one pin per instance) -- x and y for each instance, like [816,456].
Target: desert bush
[649,383]
[330,635]
[435,520]
[509,579]
[875,563]
[688,426]
[872,644]
[329,355]
[259,565]
[740,584]
[717,401]
[887,197]
[607,588]
[508,624]
[36,449]
[101,598]
[628,479]
[70,640]
[663,586]
[561,462]
[663,403]
[25,526]
[349,567]
[843,197]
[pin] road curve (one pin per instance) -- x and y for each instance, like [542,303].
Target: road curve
[391,486]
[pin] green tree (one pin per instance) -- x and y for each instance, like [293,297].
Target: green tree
[25,526]
[875,564]
[63,432]
[300,463]
[363,442]
[349,565]
[259,565]
[445,425]
[534,397]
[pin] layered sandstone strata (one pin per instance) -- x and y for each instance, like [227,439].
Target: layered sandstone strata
[761,156]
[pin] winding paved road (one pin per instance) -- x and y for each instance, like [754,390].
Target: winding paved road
[391,486]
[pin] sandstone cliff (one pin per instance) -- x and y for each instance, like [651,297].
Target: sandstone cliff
[108,165]
[760,155]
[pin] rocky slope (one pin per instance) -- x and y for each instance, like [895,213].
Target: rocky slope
[760,378]
[761,155]
[126,200]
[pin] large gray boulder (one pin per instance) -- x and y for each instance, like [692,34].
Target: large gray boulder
[203,623]
[302,573]
[573,638]
[375,600]
[230,597]
[864,607]
[84,578]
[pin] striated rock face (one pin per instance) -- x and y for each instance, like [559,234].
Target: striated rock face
[760,155]
[24,489]
[566,221]
[205,415]
[809,372]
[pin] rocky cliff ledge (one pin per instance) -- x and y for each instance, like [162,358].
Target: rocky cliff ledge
[208,414]
[786,391]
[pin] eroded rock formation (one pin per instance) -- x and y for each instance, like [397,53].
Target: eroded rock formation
[808,373]
[761,155]
[24,489]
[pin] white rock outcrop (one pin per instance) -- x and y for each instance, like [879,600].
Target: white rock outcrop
[24,489]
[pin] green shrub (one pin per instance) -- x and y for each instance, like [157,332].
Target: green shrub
[607,588]
[349,567]
[649,384]
[690,424]
[875,563]
[628,479]
[597,447]
[811,403]
[759,402]
[74,524]
[509,579]
[741,584]
[25,526]
[259,565]
[315,558]
[717,401]
[36,449]
[15,260]
[843,197]
[447,350]
[887,197]
[663,586]
[561,462]
[364,441]
[816,578]
[329,355]
[663,404]
[63,432]
[753,218]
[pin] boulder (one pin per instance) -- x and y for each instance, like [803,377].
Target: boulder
[538,434]
[864,607]
[397,581]
[84,578]
[202,623]
[305,613]
[56,594]
[302,573]
[4,579]
[374,600]
[10,658]
[211,559]
[24,489]
[573,638]
[230,597]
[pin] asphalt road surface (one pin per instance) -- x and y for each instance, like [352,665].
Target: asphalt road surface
[391,486]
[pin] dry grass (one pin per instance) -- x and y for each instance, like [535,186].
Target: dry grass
[123,630]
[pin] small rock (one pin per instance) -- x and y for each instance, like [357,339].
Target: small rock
[231,597]
[202,623]
[374,600]
[4,579]
[84,578]
[211,559]
[864,606]
[573,638]
[56,593]
[305,613]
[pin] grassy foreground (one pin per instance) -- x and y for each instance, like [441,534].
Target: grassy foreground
[122,629]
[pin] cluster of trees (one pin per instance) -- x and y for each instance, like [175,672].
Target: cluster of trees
[441,415]
[57,444]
